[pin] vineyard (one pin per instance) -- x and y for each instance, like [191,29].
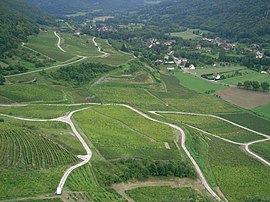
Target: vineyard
[84,187]
[250,121]
[216,127]
[23,149]
[111,124]
[262,149]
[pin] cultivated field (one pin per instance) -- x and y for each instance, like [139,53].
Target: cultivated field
[46,43]
[244,98]
[263,110]
[262,149]
[238,176]
[199,85]
[216,127]
[212,70]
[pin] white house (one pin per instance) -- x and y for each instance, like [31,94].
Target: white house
[192,67]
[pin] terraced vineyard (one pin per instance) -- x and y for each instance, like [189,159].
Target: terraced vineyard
[23,149]
[216,127]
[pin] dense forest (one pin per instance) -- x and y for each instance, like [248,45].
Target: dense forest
[61,7]
[240,20]
[18,20]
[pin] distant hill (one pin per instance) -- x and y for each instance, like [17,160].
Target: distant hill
[238,19]
[18,20]
[61,7]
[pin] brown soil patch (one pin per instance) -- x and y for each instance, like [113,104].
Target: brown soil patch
[244,98]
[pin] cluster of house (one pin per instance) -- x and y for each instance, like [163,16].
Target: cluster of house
[257,53]
[154,42]
[220,42]
[106,28]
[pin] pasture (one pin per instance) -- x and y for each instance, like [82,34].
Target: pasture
[216,127]
[46,44]
[199,85]
[185,35]
[212,70]
[247,75]
[247,99]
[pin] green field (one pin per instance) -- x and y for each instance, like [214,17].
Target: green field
[250,121]
[185,35]
[232,169]
[194,83]
[32,159]
[111,124]
[46,43]
[30,93]
[247,75]
[263,110]
[182,99]
[79,45]
[85,186]
[166,194]
[212,70]
[262,149]
[216,127]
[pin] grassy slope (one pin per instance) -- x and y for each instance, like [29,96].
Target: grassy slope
[197,84]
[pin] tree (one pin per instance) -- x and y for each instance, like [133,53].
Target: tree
[247,84]
[255,85]
[2,79]
[240,85]
[265,86]
[124,48]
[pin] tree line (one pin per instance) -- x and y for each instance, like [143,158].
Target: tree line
[254,85]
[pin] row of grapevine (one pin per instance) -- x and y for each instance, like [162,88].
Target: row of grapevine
[22,148]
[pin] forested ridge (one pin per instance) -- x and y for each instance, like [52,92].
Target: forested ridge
[18,20]
[239,20]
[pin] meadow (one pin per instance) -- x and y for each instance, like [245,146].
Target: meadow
[247,75]
[199,85]
[186,34]
[166,194]
[212,70]
[216,127]
[46,44]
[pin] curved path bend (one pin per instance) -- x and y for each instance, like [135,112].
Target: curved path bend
[59,42]
[246,145]
[99,49]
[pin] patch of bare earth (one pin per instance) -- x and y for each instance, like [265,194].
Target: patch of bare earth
[170,182]
[244,98]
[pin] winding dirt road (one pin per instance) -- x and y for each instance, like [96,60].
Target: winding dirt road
[59,42]
[86,158]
